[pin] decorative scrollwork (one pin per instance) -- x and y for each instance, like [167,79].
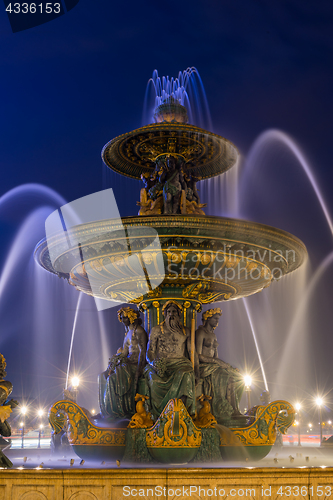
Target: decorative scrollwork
[174,428]
[277,415]
[80,430]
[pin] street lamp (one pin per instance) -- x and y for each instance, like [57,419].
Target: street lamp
[319,403]
[298,408]
[23,411]
[39,434]
[248,382]
[40,413]
[75,384]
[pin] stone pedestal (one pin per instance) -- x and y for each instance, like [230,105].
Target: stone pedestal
[119,484]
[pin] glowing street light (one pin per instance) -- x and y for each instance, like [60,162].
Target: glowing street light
[39,434]
[75,382]
[248,381]
[319,403]
[23,411]
[298,407]
[40,412]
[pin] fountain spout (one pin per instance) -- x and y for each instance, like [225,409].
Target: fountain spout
[170,111]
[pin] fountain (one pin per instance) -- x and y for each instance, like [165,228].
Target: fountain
[170,261]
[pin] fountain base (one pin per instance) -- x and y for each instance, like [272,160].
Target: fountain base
[174,438]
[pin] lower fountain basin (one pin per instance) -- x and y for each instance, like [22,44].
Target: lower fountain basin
[217,258]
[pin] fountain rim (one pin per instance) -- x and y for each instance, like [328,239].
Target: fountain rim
[182,222]
[123,165]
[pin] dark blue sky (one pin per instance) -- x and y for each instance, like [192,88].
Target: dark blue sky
[70,85]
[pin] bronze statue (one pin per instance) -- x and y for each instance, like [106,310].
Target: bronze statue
[151,200]
[193,204]
[170,189]
[172,179]
[220,380]
[117,395]
[6,406]
[170,372]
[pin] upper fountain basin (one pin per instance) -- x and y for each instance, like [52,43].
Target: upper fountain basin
[135,153]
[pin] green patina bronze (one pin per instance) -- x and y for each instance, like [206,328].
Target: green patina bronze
[136,450]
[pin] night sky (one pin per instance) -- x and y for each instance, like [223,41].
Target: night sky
[72,84]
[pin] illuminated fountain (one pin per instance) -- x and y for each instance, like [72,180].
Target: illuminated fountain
[172,255]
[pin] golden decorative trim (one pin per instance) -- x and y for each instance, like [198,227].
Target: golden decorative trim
[277,415]
[141,419]
[80,430]
[174,428]
[156,304]
[205,419]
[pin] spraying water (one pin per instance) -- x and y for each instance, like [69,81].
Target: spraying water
[296,337]
[189,91]
[256,343]
[269,136]
[72,338]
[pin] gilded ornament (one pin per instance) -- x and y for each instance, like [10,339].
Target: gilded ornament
[128,312]
[205,419]
[277,415]
[210,313]
[80,430]
[141,419]
[177,304]
[174,428]
[147,258]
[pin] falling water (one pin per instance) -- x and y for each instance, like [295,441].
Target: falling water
[37,309]
[256,343]
[293,339]
[187,88]
[294,342]
[72,338]
[269,136]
